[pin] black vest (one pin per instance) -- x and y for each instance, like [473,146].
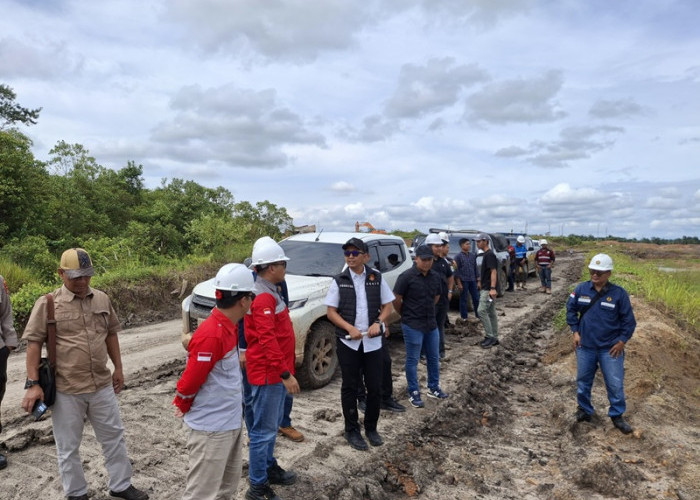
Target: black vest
[346,304]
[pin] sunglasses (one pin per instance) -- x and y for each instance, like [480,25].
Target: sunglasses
[596,272]
[354,253]
[281,263]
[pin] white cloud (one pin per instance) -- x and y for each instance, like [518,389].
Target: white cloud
[518,101]
[237,127]
[621,108]
[342,187]
[432,87]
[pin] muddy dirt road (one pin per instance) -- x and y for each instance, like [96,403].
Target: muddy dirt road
[506,431]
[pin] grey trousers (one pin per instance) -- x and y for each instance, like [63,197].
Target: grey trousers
[487,314]
[102,410]
[215,464]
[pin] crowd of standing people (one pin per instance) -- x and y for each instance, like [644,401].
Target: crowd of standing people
[241,360]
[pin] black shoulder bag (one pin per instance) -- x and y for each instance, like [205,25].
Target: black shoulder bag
[47,366]
[595,299]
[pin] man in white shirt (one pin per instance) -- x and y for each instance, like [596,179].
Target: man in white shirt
[359,301]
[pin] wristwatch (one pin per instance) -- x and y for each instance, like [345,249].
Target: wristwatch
[29,383]
[285,375]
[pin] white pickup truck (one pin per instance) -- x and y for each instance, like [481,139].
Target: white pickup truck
[314,259]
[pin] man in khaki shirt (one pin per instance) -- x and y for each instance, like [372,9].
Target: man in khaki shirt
[86,335]
[8,343]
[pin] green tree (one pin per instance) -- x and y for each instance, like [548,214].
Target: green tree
[11,112]
[263,219]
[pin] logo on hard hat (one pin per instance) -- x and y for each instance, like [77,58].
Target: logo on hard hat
[597,262]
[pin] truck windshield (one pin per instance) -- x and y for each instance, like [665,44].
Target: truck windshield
[311,258]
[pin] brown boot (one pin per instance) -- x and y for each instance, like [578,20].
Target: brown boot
[291,433]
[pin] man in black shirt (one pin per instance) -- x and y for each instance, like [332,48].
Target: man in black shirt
[444,270]
[417,290]
[487,295]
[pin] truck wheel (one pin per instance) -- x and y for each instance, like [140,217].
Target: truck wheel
[501,282]
[320,361]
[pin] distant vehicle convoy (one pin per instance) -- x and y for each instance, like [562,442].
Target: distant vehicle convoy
[314,259]
[497,243]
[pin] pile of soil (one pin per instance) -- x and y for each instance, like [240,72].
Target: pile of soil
[506,431]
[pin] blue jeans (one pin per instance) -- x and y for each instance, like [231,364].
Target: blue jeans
[414,340]
[546,277]
[248,405]
[268,406]
[587,361]
[469,288]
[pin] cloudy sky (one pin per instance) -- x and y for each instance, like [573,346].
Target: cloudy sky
[563,116]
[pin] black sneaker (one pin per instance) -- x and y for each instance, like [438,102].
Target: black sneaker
[261,492]
[355,439]
[374,438]
[582,416]
[130,493]
[277,475]
[392,405]
[362,405]
[621,424]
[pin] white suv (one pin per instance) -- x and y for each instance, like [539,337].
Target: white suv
[314,258]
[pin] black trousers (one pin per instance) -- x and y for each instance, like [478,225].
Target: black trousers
[352,366]
[4,354]
[387,382]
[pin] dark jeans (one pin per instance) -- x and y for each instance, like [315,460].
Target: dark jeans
[4,354]
[352,365]
[441,318]
[387,383]
[469,288]
[511,277]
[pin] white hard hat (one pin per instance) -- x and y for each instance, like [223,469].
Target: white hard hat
[266,251]
[234,278]
[521,239]
[433,239]
[543,241]
[601,262]
[443,236]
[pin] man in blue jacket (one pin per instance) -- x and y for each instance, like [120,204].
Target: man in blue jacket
[601,320]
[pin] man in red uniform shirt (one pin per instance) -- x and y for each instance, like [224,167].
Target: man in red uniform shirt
[270,368]
[210,392]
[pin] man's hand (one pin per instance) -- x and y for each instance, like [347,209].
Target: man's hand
[617,349]
[178,412]
[117,380]
[355,334]
[493,293]
[374,330]
[292,385]
[241,359]
[34,393]
[577,340]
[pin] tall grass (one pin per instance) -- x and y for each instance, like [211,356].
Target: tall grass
[675,293]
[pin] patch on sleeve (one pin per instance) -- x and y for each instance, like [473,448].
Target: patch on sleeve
[267,310]
[204,357]
[573,295]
